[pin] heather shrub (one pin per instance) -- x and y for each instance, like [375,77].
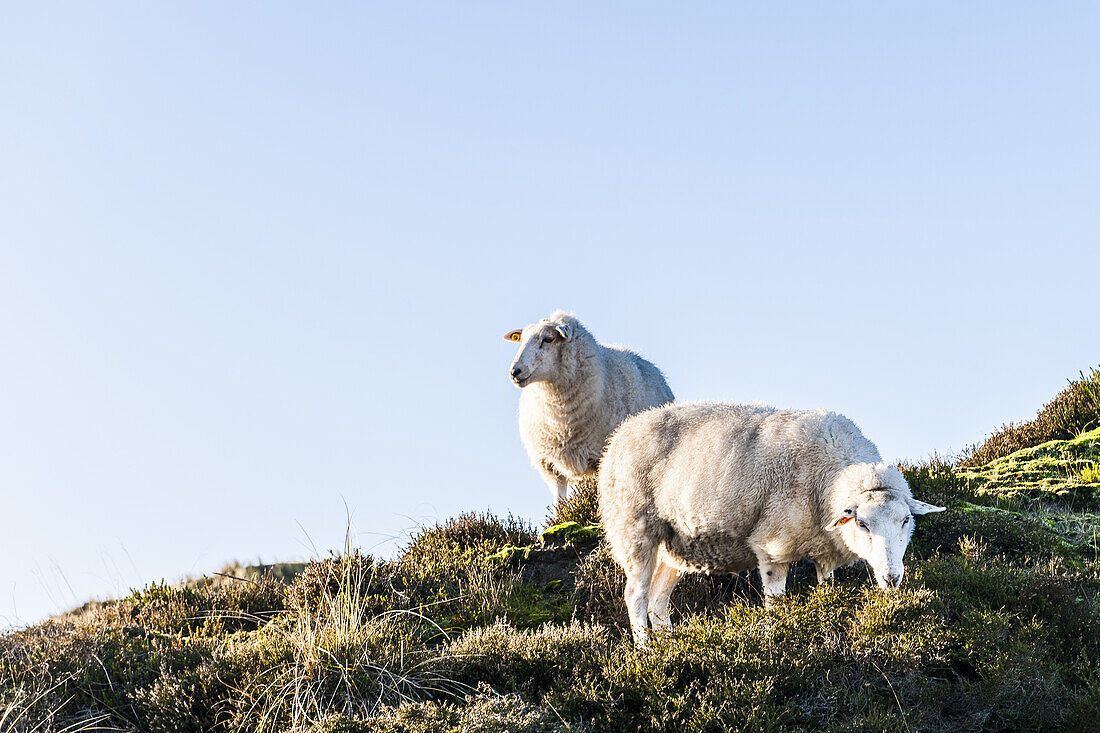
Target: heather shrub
[936,482]
[1073,410]
[1011,534]
[475,627]
[198,609]
[457,596]
[531,661]
[462,539]
[451,573]
[479,594]
[842,657]
[580,506]
[65,674]
[598,592]
[484,712]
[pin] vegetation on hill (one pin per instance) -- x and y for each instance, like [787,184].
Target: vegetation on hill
[1073,410]
[482,624]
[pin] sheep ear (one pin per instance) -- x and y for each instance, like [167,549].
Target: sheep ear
[564,331]
[919,507]
[843,518]
[513,336]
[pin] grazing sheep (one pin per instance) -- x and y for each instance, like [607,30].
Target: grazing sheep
[722,488]
[575,393]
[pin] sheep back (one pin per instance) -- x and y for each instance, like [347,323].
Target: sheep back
[714,483]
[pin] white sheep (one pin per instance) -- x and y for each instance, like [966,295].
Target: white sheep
[723,488]
[575,392]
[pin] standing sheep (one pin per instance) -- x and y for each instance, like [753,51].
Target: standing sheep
[722,488]
[575,393]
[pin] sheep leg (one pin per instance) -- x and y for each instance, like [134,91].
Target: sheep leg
[639,569]
[561,490]
[824,572]
[665,578]
[559,487]
[774,578]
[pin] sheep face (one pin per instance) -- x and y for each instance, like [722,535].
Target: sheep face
[878,523]
[539,355]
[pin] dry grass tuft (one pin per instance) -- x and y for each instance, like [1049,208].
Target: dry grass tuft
[340,655]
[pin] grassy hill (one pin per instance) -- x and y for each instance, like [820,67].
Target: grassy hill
[482,624]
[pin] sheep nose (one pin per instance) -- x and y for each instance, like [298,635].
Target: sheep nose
[516,372]
[893,580]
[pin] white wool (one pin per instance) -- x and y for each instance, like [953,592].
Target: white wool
[575,393]
[725,487]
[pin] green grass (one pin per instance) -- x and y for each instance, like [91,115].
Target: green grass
[482,624]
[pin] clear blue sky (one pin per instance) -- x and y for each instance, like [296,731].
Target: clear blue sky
[256,258]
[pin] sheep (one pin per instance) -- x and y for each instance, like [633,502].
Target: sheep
[720,488]
[575,391]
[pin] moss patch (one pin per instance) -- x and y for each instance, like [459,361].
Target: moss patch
[1059,472]
[571,533]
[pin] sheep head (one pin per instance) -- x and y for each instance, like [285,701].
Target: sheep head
[875,517]
[541,348]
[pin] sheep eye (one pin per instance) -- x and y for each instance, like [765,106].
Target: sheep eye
[861,523]
[905,521]
[547,339]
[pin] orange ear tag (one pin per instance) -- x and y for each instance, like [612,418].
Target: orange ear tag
[842,520]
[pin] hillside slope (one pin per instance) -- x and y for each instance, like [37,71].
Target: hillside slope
[484,625]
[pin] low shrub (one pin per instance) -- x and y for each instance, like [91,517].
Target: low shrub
[600,585]
[529,661]
[198,609]
[458,596]
[1074,410]
[936,482]
[462,539]
[477,595]
[581,506]
[1010,533]
[71,674]
[475,627]
[841,657]
[1063,601]
[484,712]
